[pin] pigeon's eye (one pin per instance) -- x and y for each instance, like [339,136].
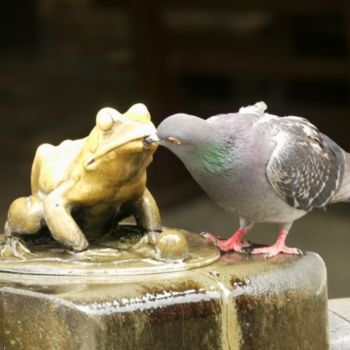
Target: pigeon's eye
[174,141]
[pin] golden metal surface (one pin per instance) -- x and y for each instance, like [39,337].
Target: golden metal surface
[116,254]
[82,188]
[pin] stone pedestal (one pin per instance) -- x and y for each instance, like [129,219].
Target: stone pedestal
[239,302]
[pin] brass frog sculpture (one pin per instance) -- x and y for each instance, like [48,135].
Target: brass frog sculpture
[81,188]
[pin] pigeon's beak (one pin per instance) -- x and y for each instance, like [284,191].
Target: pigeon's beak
[149,140]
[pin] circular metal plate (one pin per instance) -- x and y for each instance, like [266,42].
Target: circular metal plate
[109,256]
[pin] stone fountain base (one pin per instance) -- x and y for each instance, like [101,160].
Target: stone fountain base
[238,302]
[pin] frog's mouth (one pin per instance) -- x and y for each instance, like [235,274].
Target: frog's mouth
[151,139]
[113,141]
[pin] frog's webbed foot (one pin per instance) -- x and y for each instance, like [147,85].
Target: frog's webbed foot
[149,238]
[14,248]
[95,254]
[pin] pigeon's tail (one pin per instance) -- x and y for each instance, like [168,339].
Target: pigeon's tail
[343,195]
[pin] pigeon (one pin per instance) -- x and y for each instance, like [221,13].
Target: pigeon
[259,167]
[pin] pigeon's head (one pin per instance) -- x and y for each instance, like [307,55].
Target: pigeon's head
[197,142]
[183,132]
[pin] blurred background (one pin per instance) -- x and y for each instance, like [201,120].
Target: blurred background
[63,60]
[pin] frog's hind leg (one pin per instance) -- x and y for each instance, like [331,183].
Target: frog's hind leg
[25,216]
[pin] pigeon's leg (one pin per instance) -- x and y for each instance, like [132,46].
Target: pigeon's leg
[236,242]
[279,246]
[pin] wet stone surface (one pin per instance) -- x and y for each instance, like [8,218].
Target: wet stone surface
[239,302]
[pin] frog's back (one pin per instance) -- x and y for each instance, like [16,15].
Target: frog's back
[52,163]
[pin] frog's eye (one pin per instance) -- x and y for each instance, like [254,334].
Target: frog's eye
[105,118]
[138,113]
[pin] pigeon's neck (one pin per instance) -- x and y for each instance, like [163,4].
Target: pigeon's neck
[212,158]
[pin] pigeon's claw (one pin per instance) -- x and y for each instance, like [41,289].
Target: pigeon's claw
[235,243]
[278,247]
[274,250]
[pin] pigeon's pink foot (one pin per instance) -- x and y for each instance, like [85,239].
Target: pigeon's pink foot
[278,247]
[274,250]
[234,243]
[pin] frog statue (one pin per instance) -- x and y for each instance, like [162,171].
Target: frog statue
[81,188]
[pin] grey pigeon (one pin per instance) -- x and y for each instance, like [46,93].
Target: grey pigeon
[260,167]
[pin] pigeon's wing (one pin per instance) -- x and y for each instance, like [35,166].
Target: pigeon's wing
[306,167]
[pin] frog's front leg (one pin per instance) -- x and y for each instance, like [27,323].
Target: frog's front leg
[147,216]
[57,213]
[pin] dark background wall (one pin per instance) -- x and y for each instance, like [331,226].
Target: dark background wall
[62,60]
